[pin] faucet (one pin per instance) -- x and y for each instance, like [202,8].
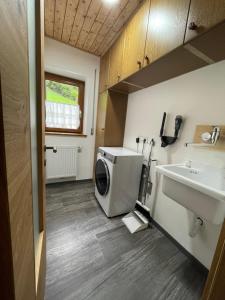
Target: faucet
[188,163]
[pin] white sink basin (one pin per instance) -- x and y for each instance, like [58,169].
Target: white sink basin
[198,187]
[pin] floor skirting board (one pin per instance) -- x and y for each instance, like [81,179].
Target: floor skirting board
[49,182]
[181,248]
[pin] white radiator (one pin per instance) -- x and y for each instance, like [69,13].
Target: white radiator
[62,164]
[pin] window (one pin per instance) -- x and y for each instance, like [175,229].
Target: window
[64,104]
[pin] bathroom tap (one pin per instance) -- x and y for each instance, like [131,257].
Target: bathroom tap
[188,163]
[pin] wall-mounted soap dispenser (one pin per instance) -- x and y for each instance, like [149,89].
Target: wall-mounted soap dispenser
[169,140]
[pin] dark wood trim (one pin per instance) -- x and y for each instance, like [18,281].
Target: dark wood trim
[66,133]
[40,88]
[63,130]
[215,285]
[40,259]
[63,79]
[41,267]
[75,82]
[6,263]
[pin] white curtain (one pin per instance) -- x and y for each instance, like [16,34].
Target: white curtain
[62,115]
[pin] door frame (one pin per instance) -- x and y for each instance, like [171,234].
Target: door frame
[40,259]
[6,274]
[215,286]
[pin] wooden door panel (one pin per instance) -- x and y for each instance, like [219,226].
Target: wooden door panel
[214,287]
[205,14]
[6,263]
[166,28]
[102,107]
[100,124]
[16,121]
[135,38]
[115,119]
[104,72]
[101,118]
[116,60]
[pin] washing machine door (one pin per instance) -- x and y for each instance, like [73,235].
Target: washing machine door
[102,178]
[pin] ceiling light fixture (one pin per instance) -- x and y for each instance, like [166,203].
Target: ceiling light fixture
[110,2]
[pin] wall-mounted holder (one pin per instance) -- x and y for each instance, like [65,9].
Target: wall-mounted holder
[209,136]
[196,226]
[169,140]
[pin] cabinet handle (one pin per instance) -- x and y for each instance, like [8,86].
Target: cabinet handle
[139,64]
[118,77]
[192,26]
[147,59]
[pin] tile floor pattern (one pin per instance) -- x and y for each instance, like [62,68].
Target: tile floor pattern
[91,257]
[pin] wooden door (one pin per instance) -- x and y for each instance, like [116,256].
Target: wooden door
[15,152]
[135,38]
[203,15]
[6,274]
[115,119]
[101,119]
[116,60]
[100,125]
[104,72]
[166,28]
[215,287]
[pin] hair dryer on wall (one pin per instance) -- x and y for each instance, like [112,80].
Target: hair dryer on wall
[169,140]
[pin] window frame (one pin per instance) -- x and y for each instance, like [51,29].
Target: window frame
[71,81]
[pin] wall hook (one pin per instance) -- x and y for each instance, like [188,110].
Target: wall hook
[169,140]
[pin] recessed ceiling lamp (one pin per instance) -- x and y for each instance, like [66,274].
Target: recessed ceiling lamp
[110,2]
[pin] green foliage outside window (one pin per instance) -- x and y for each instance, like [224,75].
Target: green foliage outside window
[61,92]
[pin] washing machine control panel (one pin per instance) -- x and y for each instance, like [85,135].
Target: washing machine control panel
[108,156]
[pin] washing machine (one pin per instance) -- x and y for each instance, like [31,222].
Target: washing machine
[117,179]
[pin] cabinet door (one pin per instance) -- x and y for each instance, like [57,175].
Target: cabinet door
[116,59]
[135,38]
[104,72]
[115,119]
[166,28]
[101,119]
[204,14]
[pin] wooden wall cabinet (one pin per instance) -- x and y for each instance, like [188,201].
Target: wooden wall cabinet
[116,60]
[157,28]
[204,14]
[104,72]
[111,117]
[135,38]
[166,27]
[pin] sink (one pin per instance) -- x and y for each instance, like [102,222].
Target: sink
[198,187]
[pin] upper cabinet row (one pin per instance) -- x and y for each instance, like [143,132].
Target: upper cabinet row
[158,27]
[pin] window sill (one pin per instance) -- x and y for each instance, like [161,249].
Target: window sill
[66,133]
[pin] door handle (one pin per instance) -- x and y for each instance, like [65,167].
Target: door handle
[54,149]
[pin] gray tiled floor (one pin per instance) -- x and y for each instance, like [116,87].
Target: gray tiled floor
[92,257]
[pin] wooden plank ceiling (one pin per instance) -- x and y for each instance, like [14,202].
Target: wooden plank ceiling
[90,25]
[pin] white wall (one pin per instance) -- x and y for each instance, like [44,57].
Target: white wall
[200,98]
[68,61]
